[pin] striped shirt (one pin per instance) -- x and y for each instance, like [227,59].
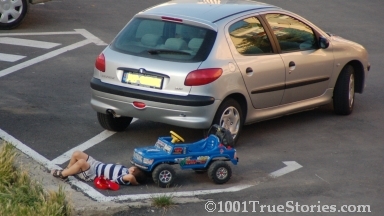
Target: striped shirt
[113,172]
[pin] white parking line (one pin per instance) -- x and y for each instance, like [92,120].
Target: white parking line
[291,166]
[27,150]
[82,147]
[86,145]
[24,42]
[10,57]
[91,37]
[39,33]
[28,43]
[43,57]
[133,197]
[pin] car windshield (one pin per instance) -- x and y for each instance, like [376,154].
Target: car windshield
[165,40]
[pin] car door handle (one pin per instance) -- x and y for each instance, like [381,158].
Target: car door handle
[248,70]
[292,66]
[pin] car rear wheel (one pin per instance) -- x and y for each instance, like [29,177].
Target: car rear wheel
[230,117]
[109,122]
[344,92]
[12,12]
[219,172]
[163,175]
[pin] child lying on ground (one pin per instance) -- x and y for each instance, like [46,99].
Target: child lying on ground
[87,168]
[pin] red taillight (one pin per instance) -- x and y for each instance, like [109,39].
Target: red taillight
[139,105]
[100,62]
[171,19]
[202,76]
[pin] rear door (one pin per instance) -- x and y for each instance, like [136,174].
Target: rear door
[262,68]
[308,67]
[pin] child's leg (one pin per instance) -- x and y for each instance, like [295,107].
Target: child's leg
[77,155]
[130,178]
[80,165]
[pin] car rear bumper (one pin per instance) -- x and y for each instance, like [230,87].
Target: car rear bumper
[189,100]
[190,111]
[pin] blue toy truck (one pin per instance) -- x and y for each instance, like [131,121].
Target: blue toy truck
[207,155]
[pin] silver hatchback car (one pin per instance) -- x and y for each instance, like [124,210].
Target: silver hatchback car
[195,63]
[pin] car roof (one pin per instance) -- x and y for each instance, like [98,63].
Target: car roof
[209,10]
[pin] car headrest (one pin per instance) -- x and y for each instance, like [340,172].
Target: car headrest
[195,43]
[175,44]
[150,40]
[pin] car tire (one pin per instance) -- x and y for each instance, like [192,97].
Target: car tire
[109,122]
[229,115]
[164,175]
[12,13]
[344,92]
[219,172]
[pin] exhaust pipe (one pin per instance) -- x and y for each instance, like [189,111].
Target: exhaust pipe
[109,111]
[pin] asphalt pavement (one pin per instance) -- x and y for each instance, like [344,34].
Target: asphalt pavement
[44,109]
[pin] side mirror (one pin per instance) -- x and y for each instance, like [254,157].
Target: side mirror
[323,42]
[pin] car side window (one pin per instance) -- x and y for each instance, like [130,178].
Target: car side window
[249,37]
[292,34]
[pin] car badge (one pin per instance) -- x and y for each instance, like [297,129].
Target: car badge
[142,70]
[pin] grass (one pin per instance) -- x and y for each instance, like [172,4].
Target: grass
[162,201]
[19,195]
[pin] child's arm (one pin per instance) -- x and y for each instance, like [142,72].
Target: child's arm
[131,179]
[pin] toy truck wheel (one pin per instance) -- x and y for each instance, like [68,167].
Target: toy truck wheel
[163,175]
[219,172]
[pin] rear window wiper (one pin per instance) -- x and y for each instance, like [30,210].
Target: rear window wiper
[165,51]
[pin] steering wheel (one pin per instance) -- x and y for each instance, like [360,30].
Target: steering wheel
[176,138]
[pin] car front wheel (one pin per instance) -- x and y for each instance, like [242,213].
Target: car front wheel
[109,122]
[344,92]
[229,116]
[12,12]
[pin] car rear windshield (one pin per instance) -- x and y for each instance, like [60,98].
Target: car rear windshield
[165,40]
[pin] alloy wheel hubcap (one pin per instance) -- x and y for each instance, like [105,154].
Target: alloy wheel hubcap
[165,176]
[230,120]
[222,173]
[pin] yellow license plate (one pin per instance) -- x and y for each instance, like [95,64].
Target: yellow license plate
[143,80]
